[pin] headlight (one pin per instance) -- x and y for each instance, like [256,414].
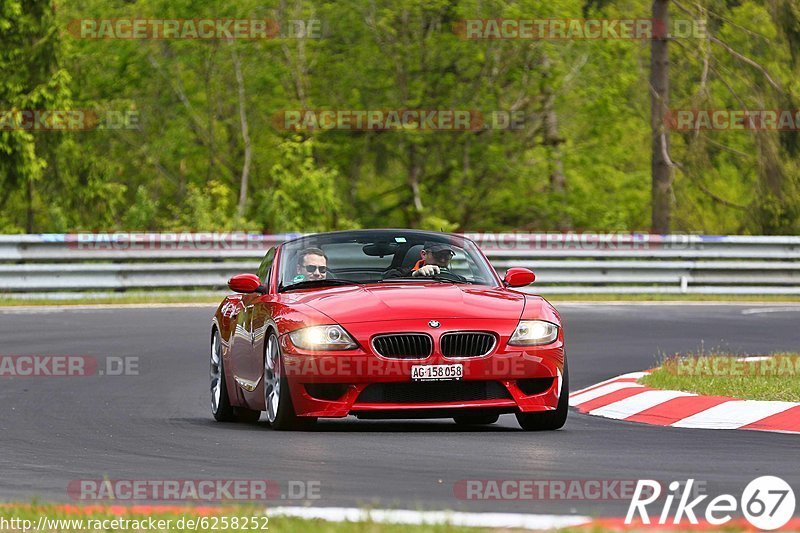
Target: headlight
[322,338]
[534,333]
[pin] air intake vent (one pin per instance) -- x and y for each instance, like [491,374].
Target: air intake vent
[403,345]
[326,391]
[467,344]
[440,391]
[532,386]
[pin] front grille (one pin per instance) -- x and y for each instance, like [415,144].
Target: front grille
[403,345]
[433,392]
[467,344]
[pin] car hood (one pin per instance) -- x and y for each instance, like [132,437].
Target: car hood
[374,303]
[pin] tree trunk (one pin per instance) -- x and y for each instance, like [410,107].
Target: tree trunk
[237,67]
[660,169]
[553,141]
[414,172]
[29,218]
[207,78]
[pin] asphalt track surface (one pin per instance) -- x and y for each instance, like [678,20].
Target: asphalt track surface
[157,425]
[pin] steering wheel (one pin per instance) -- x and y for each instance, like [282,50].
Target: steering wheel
[446,274]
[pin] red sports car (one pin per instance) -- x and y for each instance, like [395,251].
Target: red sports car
[386,324]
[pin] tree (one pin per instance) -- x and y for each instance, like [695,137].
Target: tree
[303,196]
[660,164]
[33,80]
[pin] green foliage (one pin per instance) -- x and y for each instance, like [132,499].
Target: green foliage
[141,213]
[303,194]
[208,208]
[181,166]
[31,79]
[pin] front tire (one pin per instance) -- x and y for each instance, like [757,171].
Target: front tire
[549,420]
[221,407]
[277,396]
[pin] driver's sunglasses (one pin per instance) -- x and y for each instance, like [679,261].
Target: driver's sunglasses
[311,268]
[445,255]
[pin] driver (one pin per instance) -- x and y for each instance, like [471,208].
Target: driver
[435,257]
[312,264]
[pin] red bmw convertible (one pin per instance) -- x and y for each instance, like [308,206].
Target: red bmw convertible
[386,324]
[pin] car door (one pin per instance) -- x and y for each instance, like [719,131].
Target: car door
[248,348]
[242,343]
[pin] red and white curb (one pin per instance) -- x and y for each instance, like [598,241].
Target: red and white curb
[622,398]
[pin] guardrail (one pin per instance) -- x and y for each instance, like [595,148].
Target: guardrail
[49,264]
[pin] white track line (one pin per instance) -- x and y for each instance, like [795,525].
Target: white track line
[636,404]
[630,375]
[580,398]
[388,516]
[762,310]
[733,414]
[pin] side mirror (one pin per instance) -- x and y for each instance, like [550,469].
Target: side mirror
[518,277]
[246,283]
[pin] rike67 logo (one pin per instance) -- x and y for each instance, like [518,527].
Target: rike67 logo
[768,503]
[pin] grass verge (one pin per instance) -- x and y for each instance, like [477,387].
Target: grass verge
[725,298]
[221,519]
[139,298]
[122,299]
[772,377]
[238,519]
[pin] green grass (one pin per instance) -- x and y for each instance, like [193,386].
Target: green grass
[33,512]
[723,375]
[122,299]
[138,298]
[726,298]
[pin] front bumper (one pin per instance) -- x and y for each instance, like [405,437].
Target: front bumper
[359,381]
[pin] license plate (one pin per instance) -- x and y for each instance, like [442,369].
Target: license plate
[436,372]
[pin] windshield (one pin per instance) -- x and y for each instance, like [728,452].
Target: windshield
[381,256]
